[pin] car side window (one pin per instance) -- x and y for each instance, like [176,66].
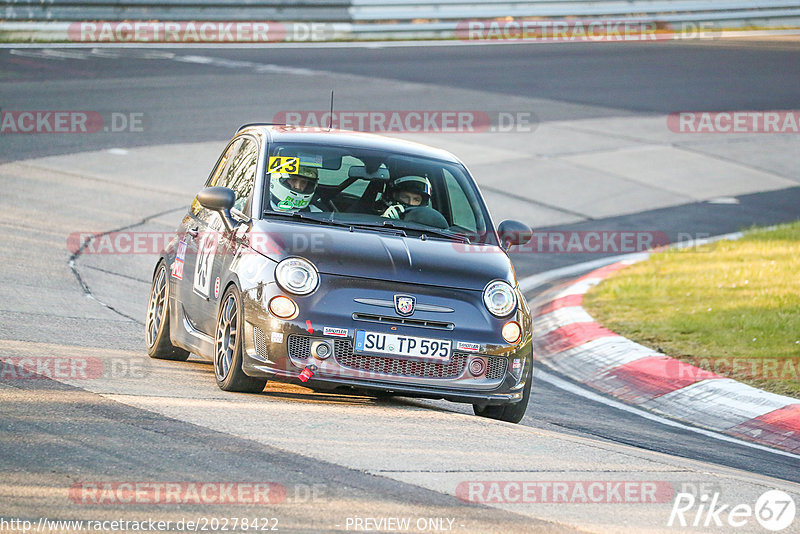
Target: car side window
[460,206]
[220,170]
[241,174]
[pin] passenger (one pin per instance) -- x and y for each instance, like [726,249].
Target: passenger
[404,193]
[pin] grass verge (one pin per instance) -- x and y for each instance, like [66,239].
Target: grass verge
[731,307]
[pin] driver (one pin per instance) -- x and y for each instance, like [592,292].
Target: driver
[406,192]
[293,191]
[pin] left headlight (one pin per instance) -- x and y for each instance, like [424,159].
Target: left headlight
[499,298]
[297,276]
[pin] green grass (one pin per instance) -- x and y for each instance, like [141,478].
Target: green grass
[732,307]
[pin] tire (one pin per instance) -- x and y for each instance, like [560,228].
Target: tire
[156,324]
[228,347]
[510,413]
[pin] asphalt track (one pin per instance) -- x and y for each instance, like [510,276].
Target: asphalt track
[193,101]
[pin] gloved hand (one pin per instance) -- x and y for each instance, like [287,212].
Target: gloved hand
[394,212]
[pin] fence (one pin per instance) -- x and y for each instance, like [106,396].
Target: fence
[395,18]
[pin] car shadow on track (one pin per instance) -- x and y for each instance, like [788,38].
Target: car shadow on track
[296,392]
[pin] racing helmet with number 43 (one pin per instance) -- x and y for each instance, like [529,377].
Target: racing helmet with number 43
[293,190]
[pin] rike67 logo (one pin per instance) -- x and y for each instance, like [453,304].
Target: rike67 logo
[774,510]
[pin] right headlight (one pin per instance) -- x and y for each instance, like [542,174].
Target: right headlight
[297,276]
[499,298]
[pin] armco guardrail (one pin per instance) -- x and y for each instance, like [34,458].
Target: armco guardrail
[373,10]
[380,19]
[389,10]
[169,10]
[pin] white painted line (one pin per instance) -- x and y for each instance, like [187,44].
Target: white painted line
[532,282]
[723,200]
[235,64]
[577,390]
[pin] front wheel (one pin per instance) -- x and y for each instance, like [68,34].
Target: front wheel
[228,347]
[156,324]
[510,413]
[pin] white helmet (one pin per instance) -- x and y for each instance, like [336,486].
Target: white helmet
[293,191]
[418,185]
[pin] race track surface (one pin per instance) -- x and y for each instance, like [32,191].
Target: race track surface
[599,156]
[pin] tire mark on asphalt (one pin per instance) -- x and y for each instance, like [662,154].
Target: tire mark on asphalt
[117,274]
[72,261]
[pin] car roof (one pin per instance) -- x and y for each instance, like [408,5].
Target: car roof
[283,133]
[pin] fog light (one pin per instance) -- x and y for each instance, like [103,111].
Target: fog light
[477,366]
[321,350]
[512,331]
[283,307]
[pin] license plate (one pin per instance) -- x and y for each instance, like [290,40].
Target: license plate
[414,347]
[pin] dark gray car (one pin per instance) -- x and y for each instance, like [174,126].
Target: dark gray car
[304,259]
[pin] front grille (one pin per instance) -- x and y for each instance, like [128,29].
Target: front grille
[497,367]
[261,342]
[299,347]
[405,321]
[411,368]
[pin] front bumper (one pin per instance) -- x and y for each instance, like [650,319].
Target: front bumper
[281,349]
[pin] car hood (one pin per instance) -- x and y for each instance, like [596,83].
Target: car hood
[381,255]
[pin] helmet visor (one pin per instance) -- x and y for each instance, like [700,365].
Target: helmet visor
[413,184]
[298,184]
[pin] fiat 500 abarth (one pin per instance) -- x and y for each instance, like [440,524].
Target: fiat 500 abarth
[346,261]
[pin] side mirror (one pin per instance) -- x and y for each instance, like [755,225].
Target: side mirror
[221,200]
[513,233]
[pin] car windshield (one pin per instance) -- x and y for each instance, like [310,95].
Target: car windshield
[372,188]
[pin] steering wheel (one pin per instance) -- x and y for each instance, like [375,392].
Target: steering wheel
[323,202]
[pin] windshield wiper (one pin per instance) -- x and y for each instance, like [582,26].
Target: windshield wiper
[428,231]
[301,217]
[425,231]
[445,234]
[292,214]
[386,225]
[360,225]
[380,228]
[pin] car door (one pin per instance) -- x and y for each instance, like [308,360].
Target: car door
[193,223]
[214,246]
